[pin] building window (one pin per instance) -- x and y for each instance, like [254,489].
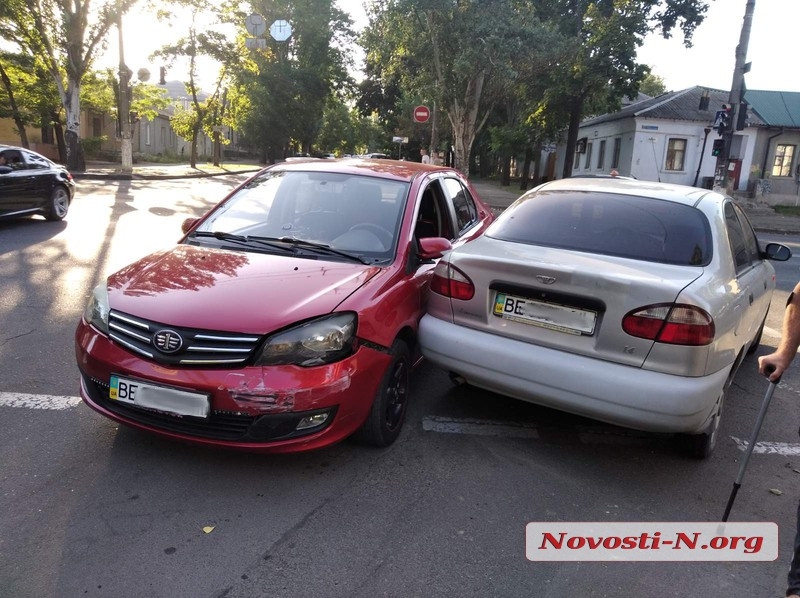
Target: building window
[97,127]
[615,156]
[601,155]
[147,134]
[676,152]
[588,162]
[782,166]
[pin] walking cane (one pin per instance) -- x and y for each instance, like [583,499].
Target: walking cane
[753,437]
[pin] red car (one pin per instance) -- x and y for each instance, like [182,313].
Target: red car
[286,318]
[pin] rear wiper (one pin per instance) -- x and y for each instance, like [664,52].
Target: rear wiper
[322,247]
[244,239]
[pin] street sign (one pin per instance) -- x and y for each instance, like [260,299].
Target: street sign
[422,114]
[255,25]
[280,30]
[254,43]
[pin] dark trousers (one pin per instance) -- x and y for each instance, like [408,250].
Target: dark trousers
[793,579]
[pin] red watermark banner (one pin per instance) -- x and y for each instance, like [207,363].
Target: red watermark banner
[651,541]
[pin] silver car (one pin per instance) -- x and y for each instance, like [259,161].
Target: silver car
[625,301]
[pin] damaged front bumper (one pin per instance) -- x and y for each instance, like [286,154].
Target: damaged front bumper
[275,409]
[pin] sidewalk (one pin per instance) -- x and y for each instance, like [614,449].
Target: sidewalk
[763,218]
[152,171]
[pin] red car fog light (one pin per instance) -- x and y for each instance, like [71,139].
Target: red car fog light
[312,421]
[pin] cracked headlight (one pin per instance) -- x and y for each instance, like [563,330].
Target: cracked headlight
[96,312]
[324,340]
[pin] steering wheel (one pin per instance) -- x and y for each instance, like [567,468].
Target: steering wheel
[386,237]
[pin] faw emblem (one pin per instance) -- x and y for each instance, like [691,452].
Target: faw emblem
[167,341]
[545,279]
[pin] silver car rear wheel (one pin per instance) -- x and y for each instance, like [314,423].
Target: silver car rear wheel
[700,446]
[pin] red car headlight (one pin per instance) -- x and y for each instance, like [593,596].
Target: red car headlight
[317,342]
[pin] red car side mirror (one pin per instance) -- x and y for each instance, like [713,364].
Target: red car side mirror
[431,248]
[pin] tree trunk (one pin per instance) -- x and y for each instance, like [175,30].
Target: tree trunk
[76,161]
[193,153]
[505,171]
[217,145]
[572,136]
[23,134]
[58,131]
[464,121]
[526,169]
[537,163]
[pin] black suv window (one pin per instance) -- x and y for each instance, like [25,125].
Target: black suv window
[639,228]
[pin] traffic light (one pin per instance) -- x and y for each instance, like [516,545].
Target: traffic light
[723,119]
[742,118]
[716,149]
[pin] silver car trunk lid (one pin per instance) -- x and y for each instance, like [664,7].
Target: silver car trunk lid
[569,300]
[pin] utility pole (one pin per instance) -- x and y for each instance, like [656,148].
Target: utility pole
[737,90]
[126,148]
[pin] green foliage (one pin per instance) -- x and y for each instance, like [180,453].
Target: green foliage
[652,85]
[288,84]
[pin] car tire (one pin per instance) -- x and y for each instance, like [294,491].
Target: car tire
[701,446]
[59,204]
[388,411]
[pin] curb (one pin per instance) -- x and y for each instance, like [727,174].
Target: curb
[120,176]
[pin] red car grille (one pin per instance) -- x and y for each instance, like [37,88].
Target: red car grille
[175,345]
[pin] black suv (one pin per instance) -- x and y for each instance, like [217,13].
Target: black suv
[32,184]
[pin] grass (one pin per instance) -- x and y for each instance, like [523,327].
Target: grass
[788,210]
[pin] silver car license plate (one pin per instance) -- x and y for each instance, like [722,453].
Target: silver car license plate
[160,398]
[546,315]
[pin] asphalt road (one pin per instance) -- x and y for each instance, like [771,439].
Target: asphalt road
[88,508]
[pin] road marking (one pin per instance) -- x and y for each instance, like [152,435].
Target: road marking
[785,449]
[771,332]
[478,427]
[28,401]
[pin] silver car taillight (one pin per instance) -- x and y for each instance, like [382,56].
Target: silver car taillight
[672,323]
[451,282]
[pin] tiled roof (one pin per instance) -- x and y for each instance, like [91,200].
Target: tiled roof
[681,105]
[776,108]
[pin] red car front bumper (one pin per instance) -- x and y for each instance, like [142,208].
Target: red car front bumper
[251,408]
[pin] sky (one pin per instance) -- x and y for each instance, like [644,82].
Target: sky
[709,62]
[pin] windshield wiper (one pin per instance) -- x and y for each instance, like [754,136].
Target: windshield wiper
[243,239]
[322,247]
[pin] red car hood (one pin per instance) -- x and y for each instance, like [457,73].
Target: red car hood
[254,293]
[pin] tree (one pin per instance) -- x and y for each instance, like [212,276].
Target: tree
[289,83]
[463,55]
[204,112]
[652,85]
[592,76]
[66,36]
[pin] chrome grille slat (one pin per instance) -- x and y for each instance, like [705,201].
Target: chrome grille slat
[230,339]
[198,347]
[220,349]
[123,330]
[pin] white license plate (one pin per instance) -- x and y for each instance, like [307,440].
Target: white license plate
[160,398]
[547,315]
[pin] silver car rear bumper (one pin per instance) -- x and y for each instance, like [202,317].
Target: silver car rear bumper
[606,391]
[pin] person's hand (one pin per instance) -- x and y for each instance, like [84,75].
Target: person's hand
[775,364]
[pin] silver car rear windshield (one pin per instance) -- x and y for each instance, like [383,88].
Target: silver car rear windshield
[640,228]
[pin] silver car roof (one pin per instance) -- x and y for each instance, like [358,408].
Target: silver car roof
[682,194]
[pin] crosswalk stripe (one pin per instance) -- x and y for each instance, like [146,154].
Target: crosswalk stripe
[477,427]
[29,401]
[785,449]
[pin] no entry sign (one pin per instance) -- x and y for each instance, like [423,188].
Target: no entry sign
[421,114]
